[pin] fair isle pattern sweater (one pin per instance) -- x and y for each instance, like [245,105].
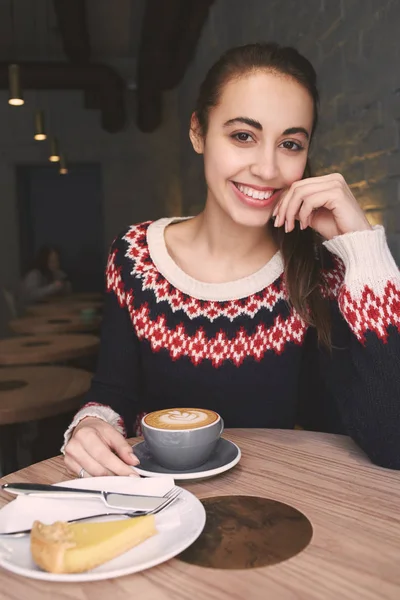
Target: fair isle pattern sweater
[240,349]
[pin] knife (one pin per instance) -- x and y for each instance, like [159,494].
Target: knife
[111,499]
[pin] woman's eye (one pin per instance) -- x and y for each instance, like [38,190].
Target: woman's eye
[242,137]
[289,145]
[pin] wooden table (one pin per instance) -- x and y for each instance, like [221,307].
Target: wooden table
[32,394]
[63,322]
[75,297]
[57,308]
[28,350]
[353,507]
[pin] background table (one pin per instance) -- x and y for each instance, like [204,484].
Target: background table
[33,394]
[28,350]
[353,507]
[73,307]
[63,322]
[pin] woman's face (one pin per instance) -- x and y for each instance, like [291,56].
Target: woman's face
[256,145]
[54,261]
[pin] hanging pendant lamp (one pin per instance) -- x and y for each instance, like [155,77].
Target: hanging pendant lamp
[40,129]
[54,151]
[14,83]
[63,165]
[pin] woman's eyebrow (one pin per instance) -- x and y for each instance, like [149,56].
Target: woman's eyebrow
[257,125]
[292,130]
[245,121]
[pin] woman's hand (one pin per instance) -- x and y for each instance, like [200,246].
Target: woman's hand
[99,449]
[324,203]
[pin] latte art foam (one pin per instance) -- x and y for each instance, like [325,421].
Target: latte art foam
[181,418]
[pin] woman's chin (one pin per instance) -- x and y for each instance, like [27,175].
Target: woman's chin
[252,217]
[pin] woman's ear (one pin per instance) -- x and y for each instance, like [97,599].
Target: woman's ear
[195,135]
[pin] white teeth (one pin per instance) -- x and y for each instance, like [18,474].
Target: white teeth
[256,194]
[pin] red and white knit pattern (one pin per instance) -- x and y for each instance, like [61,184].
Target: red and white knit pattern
[220,348]
[364,310]
[371,312]
[199,347]
[143,267]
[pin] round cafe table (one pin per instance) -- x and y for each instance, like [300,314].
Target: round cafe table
[61,308]
[75,297]
[33,394]
[64,322]
[28,350]
[352,505]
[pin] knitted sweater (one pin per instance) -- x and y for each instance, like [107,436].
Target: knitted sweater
[239,348]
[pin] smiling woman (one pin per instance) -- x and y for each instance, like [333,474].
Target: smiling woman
[277,304]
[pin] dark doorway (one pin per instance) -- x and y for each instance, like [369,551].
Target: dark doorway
[64,211]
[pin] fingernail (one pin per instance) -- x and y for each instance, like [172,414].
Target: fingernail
[301,225]
[286,226]
[276,224]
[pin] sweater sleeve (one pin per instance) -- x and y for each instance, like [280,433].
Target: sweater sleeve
[113,393]
[362,371]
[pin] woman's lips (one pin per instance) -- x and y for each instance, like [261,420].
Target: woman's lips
[255,202]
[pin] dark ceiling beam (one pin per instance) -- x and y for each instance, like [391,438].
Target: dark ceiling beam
[105,87]
[182,46]
[169,37]
[72,23]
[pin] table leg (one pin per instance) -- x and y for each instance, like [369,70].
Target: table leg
[8,449]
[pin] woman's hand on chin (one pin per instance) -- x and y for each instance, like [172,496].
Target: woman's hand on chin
[326,204]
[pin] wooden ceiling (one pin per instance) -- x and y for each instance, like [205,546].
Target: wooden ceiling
[79,44]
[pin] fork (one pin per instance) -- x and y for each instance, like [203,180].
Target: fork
[170,497]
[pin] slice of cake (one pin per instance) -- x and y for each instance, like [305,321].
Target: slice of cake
[77,547]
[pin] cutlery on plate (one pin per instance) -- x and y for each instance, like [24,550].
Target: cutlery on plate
[135,502]
[170,497]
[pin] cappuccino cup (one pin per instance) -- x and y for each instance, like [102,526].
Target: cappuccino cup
[182,438]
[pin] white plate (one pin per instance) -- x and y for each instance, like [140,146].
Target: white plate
[179,526]
[225,457]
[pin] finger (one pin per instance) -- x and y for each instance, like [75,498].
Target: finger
[87,462]
[71,465]
[281,209]
[299,190]
[97,450]
[110,461]
[301,195]
[331,177]
[279,202]
[121,447]
[313,203]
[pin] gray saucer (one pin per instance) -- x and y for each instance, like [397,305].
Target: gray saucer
[225,456]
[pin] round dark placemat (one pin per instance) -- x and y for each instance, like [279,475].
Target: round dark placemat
[11,384]
[244,532]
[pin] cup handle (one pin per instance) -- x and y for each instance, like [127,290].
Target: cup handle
[222,426]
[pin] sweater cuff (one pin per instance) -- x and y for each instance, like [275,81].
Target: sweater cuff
[100,411]
[367,259]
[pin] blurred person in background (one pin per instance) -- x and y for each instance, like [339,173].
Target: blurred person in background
[45,278]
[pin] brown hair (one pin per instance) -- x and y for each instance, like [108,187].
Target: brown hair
[301,249]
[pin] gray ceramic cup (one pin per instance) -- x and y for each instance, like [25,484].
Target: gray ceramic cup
[182,449]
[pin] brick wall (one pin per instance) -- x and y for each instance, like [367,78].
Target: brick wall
[355,48]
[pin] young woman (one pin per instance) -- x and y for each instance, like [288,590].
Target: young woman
[45,278]
[277,304]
